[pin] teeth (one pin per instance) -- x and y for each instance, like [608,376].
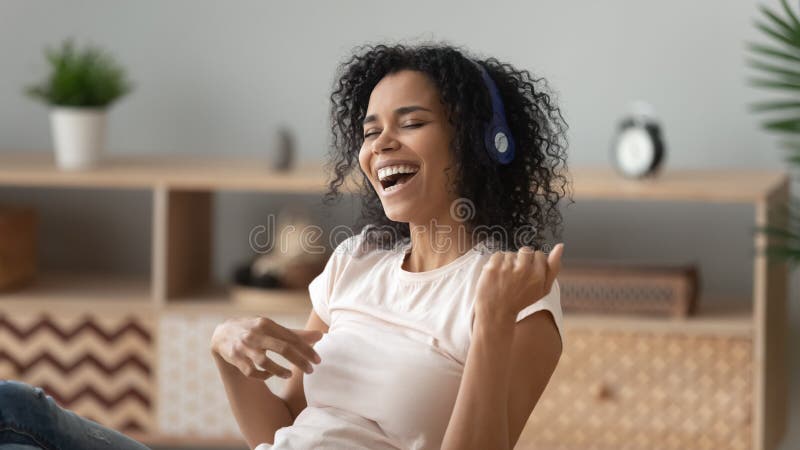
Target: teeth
[391,170]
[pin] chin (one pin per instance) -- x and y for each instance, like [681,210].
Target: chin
[397,214]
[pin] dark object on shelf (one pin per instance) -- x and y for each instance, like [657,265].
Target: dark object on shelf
[617,287]
[293,264]
[242,276]
[17,246]
[284,150]
[280,271]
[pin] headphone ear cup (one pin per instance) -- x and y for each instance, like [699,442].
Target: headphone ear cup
[499,144]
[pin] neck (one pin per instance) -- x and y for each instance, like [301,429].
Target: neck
[436,244]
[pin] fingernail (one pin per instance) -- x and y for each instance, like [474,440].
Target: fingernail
[317,359]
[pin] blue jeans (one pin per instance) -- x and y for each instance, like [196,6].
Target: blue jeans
[32,420]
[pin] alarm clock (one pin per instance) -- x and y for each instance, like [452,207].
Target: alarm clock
[638,147]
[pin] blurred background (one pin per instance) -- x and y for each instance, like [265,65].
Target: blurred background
[228,81]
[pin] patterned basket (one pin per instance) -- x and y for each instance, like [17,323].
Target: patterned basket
[629,288]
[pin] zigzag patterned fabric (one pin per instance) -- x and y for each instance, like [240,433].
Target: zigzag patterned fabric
[97,365]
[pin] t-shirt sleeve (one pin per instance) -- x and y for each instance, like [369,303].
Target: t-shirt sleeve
[550,302]
[319,291]
[321,288]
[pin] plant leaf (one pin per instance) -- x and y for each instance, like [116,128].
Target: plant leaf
[775,105]
[791,14]
[775,70]
[770,51]
[787,28]
[87,78]
[783,125]
[789,40]
[780,232]
[774,84]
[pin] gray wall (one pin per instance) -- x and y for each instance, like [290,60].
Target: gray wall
[219,77]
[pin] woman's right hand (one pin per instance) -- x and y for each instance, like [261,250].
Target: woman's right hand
[244,342]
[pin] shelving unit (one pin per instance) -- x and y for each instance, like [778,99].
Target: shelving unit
[718,379]
[161,322]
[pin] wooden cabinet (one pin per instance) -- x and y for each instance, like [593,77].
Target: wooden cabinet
[131,350]
[640,389]
[715,380]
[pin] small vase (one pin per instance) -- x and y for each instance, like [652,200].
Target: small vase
[79,136]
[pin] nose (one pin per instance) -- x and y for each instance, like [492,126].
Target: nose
[384,141]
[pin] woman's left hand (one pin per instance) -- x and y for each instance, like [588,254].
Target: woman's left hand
[510,281]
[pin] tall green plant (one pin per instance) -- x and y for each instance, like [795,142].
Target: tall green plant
[778,66]
[89,78]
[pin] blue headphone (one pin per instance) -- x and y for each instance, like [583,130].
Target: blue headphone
[497,137]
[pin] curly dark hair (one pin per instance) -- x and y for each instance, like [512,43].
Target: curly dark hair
[520,198]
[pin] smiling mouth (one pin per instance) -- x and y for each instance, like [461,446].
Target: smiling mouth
[396,179]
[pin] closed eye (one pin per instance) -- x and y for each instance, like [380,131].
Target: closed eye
[413,125]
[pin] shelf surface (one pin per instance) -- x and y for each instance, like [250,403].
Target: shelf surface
[733,185]
[68,289]
[209,173]
[219,299]
[720,316]
[61,290]
[142,171]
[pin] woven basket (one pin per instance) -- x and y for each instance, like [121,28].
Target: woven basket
[629,288]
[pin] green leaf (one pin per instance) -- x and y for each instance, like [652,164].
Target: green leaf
[779,232]
[87,78]
[775,105]
[789,40]
[783,125]
[770,51]
[774,84]
[775,70]
[792,16]
[782,24]
[793,159]
[783,253]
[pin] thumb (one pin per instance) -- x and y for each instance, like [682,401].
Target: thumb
[309,336]
[554,263]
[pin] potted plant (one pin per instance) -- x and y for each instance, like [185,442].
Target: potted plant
[81,87]
[778,65]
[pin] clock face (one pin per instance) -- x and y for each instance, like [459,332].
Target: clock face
[635,151]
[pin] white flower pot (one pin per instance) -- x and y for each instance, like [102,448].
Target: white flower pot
[79,136]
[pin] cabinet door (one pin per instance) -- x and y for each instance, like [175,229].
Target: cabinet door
[641,390]
[97,364]
[191,397]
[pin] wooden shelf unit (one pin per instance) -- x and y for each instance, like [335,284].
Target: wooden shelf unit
[182,190]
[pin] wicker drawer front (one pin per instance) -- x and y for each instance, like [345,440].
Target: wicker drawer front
[638,390]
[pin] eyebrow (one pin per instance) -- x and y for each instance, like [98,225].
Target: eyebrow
[399,112]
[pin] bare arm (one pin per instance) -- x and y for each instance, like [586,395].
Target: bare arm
[508,366]
[508,363]
[259,412]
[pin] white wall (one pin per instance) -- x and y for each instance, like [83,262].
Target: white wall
[218,77]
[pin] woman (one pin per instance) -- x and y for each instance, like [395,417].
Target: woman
[424,332]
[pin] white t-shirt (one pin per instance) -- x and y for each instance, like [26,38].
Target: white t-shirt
[393,357]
